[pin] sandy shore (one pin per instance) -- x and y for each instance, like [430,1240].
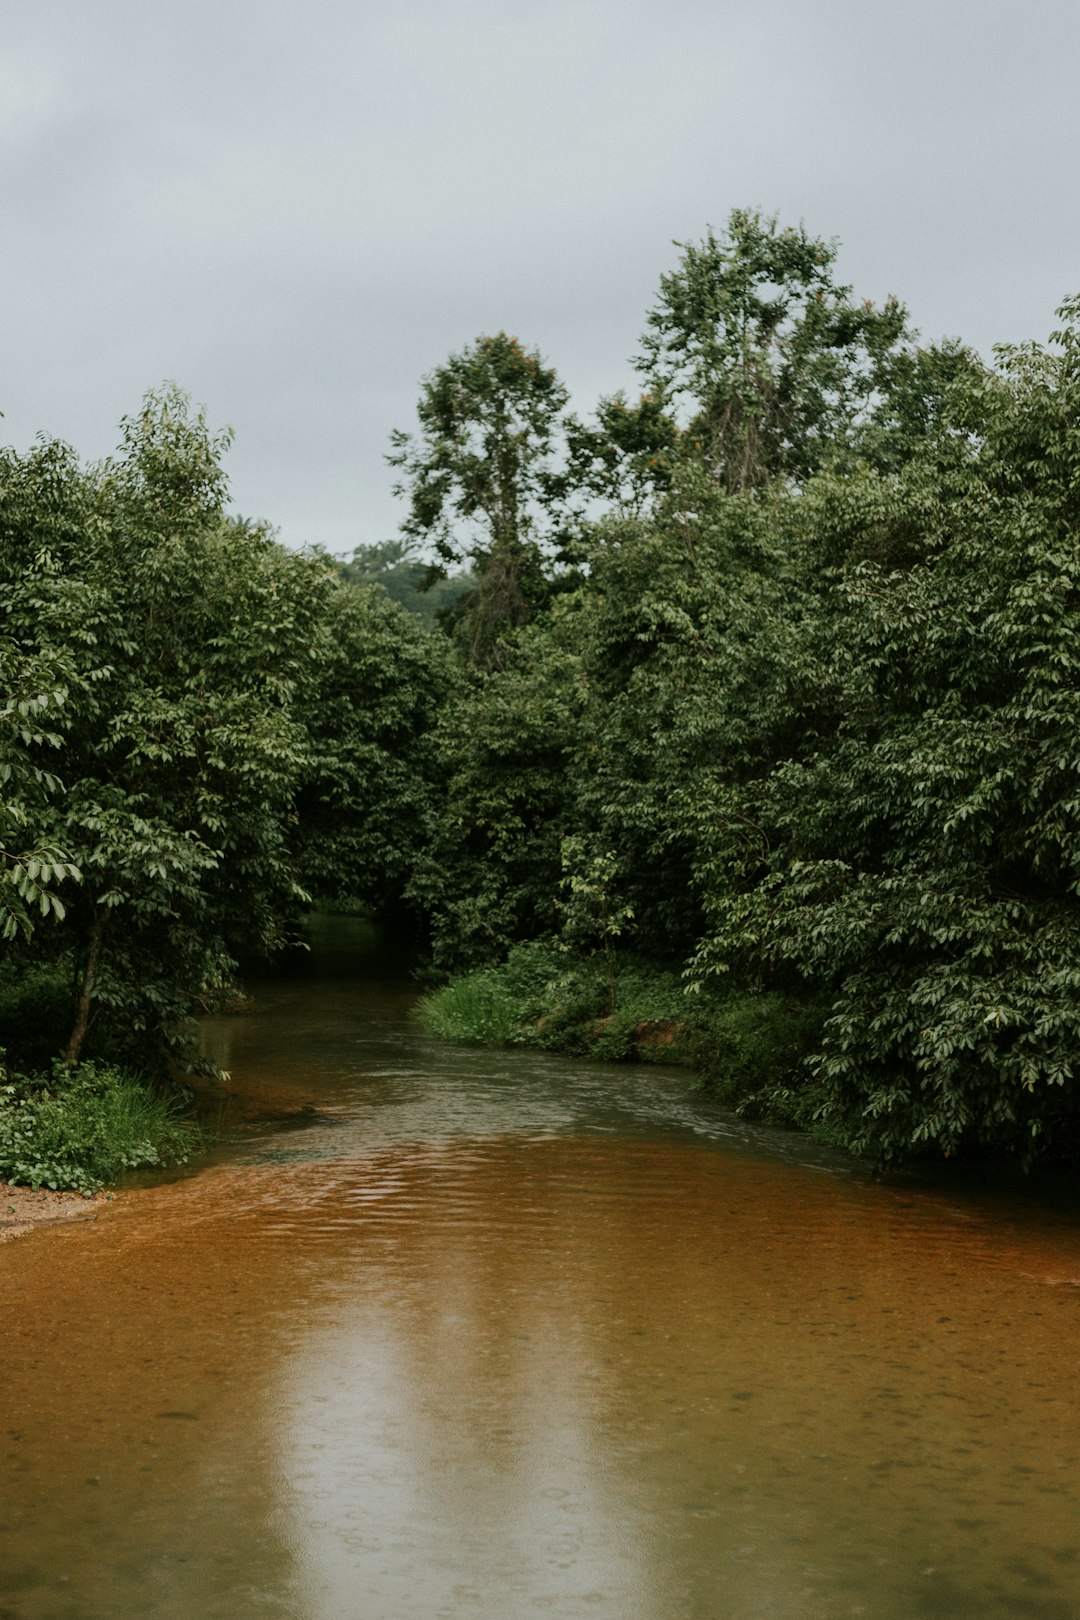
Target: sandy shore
[21,1209]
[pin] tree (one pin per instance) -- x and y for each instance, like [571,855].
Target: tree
[700,674]
[484,484]
[921,862]
[181,637]
[45,633]
[421,587]
[366,800]
[769,362]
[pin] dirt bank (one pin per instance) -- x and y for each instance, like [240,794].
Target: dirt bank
[21,1209]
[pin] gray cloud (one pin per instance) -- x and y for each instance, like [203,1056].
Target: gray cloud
[297,211]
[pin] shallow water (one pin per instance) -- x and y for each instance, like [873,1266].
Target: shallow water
[488,1335]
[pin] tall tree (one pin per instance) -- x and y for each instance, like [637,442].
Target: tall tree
[484,481]
[768,361]
[920,862]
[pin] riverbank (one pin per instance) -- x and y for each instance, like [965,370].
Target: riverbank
[748,1047]
[24,1208]
[77,1129]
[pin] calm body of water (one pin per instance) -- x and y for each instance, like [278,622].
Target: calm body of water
[487,1336]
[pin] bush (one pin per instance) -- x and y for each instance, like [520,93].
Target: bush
[80,1128]
[539,996]
[752,1049]
[544,996]
[35,1004]
[478,1009]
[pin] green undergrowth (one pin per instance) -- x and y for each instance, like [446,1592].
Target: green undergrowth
[748,1047]
[78,1129]
[36,1002]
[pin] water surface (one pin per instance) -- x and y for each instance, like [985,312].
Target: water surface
[490,1335]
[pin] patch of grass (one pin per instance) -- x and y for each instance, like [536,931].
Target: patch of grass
[79,1128]
[478,1010]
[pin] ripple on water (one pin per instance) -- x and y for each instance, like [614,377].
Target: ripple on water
[485,1339]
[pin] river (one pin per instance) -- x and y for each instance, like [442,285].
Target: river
[437,1332]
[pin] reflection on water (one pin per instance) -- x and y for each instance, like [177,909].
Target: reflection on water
[488,1335]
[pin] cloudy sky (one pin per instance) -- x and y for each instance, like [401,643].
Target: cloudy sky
[296,210]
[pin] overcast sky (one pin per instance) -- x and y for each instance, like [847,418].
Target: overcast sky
[296,210]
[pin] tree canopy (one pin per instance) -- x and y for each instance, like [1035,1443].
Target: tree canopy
[483,482]
[811,711]
[171,673]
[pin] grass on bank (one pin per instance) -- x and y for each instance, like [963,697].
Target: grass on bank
[79,1129]
[749,1048]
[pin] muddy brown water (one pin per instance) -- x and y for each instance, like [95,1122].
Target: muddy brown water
[493,1335]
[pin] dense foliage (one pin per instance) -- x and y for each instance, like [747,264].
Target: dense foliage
[822,742]
[747,731]
[202,731]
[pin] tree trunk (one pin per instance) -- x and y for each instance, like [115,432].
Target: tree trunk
[82,1011]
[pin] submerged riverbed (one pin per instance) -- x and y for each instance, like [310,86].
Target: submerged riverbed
[446,1333]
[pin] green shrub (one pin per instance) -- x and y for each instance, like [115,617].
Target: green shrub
[544,996]
[80,1128]
[477,1009]
[35,1008]
[538,997]
[751,1048]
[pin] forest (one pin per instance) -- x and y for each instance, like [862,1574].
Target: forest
[736,724]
